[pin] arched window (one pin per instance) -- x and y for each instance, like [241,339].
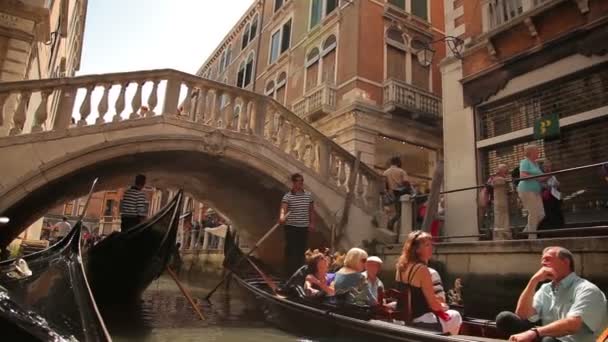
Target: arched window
[254,28]
[240,78]
[395,54]
[281,88]
[249,70]
[329,60]
[245,38]
[269,90]
[312,68]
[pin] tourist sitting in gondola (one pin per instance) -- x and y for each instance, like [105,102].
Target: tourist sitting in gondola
[413,275]
[372,268]
[350,284]
[317,282]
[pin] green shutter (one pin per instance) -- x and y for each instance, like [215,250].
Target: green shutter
[420,8]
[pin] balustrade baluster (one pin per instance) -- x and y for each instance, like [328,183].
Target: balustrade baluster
[103,105]
[41,112]
[324,159]
[342,175]
[243,124]
[281,132]
[359,186]
[302,148]
[217,108]
[3,98]
[85,107]
[334,168]
[153,99]
[136,101]
[19,114]
[229,112]
[187,104]
[201,106]
[120,103]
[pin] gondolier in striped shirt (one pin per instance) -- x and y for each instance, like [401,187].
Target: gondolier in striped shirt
[300,206]
[134,206]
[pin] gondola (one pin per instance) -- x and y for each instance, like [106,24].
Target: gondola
[311,317]
[121,266]
[45,296]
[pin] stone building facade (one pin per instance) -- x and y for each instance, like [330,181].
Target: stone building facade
[349,68]
[526,60]
[39,39]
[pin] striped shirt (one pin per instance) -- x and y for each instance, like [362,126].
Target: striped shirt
[437,285]
[298,207]
[134,203]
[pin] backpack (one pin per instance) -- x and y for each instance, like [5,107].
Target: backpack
[515,176]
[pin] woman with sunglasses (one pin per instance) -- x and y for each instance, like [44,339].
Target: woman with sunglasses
[428,309]
[350,281]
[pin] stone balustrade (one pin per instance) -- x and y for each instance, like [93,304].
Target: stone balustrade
[410,98]
[320,100]
[110,98]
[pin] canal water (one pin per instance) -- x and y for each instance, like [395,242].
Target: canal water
[163,314]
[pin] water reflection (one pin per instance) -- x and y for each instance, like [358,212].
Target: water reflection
[163,314]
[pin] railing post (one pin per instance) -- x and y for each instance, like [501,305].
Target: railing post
[171,96]
[407,217]
[502,224]
[259,117]
[63,116]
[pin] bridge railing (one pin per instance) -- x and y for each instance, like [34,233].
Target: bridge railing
[54,104]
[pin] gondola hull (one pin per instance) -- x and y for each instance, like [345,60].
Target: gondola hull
[315,321]
[121,266]
[54,301]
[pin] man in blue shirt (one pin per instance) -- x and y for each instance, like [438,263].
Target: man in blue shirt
[568,308]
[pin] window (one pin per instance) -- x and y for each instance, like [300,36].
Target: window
[312,69]
[228,57]
[316,12]
[280,41]
[68,209]
[395,54]
[245,74]
[329,60]
[222,61]
[254,28]
[269,90]
[278,4]
[245,38]
[109,208]
[319,9]
[280,88]
[398,3]
[420,8]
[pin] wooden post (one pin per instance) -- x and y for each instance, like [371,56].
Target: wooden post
[433,200]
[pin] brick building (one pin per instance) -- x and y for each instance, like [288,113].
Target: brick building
[526,60]
[349,68]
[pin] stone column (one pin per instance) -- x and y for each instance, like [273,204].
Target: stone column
[407,217]
[206,240]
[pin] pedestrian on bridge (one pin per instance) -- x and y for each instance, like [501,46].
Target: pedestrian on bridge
[300,206]
[134,206]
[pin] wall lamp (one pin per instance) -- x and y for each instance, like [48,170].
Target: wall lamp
[425,52]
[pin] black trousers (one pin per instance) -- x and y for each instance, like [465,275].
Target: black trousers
[296,240]
[509,324]
[397,217]
[128,222]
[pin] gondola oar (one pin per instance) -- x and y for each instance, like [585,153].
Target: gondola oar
[185,293]
[273,286]
[257,244]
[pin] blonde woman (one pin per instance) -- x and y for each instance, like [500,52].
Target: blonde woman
[428,310]
[530,190]
[351,282]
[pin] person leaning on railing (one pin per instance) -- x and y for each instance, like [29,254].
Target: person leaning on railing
[530,190]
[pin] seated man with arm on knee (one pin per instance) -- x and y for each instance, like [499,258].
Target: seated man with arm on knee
[568,308]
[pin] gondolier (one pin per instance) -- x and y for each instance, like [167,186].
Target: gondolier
[134,206]
[300,206]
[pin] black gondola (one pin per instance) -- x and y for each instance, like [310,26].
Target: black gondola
[121,266]
[53,302]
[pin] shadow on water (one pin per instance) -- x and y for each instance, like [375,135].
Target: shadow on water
[163,314]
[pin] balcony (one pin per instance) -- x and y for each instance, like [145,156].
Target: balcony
[405,99]
[498,13]
[317,103]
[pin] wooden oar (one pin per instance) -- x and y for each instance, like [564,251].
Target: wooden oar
[257,244]
[185,293]
[273,286]
[603,337]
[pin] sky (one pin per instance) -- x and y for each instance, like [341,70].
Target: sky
[132,35]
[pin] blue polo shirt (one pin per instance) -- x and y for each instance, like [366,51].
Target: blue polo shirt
[573,296]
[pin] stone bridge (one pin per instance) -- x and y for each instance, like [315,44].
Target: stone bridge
[231,147]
